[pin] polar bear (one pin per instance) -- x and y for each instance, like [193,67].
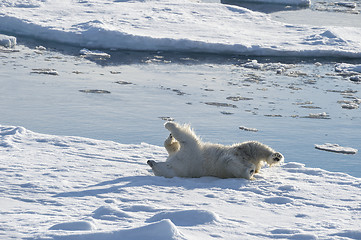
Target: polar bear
[190,157]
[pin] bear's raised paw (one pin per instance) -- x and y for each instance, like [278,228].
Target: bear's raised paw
[277,157]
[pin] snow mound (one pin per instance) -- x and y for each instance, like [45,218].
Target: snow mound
[109,213]
[7,41]
[73,226]
[186,218]
[331,147]
[162,230]
[175,25]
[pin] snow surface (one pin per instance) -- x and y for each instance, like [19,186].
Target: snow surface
[59,187]
[173,25]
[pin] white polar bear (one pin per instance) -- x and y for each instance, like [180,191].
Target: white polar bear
[190,157]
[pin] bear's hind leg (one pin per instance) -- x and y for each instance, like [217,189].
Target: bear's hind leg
[183,134]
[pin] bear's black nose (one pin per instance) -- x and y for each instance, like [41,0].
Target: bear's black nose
[150,163]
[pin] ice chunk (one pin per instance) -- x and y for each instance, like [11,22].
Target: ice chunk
[47,71]
[7,41]
[356,78]
[350,105]
[94,54]
[248,129]
[322,115]
[346,4]
[345,67]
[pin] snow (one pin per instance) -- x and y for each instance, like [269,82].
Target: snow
[174,25]
[332,147]
[67,187]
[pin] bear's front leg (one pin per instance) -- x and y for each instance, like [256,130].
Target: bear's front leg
[275,158]
[162,169]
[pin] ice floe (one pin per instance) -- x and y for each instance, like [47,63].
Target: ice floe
[174,25]
[331,147]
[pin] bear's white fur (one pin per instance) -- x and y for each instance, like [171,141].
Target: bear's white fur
[190,157]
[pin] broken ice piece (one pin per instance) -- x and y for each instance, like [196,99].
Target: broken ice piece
[336,148]
[45,71]
[94,91]
[93,53]
[350,105]
[167,119]
[356,78]
[7,41]
[248,129]
[346,4]
[322,115]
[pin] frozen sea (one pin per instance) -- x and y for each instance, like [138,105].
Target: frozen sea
[289,73]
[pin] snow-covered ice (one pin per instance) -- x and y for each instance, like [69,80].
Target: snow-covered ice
[174,25]
[63,187]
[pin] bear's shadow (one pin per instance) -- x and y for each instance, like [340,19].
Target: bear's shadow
[117,185]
